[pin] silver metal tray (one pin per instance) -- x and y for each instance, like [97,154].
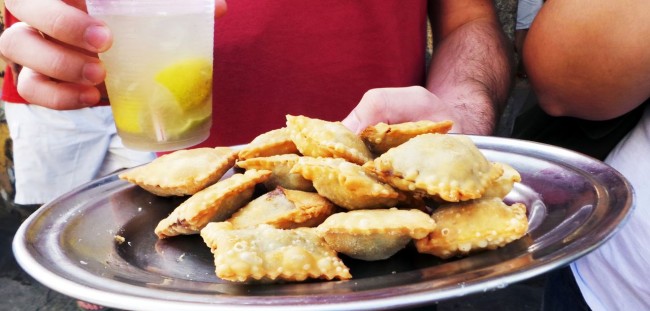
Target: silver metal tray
[575,203]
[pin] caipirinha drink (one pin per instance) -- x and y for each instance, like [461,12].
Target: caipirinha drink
[159,70]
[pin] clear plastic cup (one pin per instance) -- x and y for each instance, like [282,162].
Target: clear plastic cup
[159,70]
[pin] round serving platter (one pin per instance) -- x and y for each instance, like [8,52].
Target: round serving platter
[74,245]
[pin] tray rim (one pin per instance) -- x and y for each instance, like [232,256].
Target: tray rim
[381,298]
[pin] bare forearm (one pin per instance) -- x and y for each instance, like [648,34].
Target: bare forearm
[471,71]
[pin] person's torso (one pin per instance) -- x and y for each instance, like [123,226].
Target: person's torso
[312,58]
[614,276]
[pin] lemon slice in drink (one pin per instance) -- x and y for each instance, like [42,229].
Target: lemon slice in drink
[127,117]
[189,80]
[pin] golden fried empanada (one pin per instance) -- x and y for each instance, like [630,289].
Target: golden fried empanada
[449,167]
[273,142]
[475,225]
[267,253]
[346,184]
[319,138]
[281,166]
[215,203]
[374,234]
[182,172]
[381,136]
[284,209]
[504,184]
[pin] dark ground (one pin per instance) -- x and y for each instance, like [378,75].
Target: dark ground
[20,292]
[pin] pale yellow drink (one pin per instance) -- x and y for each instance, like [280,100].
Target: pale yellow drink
[159,70]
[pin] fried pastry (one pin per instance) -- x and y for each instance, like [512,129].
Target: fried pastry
[346,184]
[281,166]
[466,227]
[449,167]
[319,138]
[268,254]
[182,172]
[381,136]
[374,234]
[284,209]
[504,184]
[215,203]
[273,142]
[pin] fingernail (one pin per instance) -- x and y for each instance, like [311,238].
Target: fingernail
[98,37]
[93,73]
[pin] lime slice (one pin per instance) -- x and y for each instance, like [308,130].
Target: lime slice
[189,80]
[170,122]
[188,127]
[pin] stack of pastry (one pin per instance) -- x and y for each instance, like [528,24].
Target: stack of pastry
[328,191]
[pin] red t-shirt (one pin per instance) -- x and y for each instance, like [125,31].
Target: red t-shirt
[312,58]
[9,91]
[315,58]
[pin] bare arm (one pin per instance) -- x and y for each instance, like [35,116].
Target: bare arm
[471,69]
[468,79]
[590,58]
